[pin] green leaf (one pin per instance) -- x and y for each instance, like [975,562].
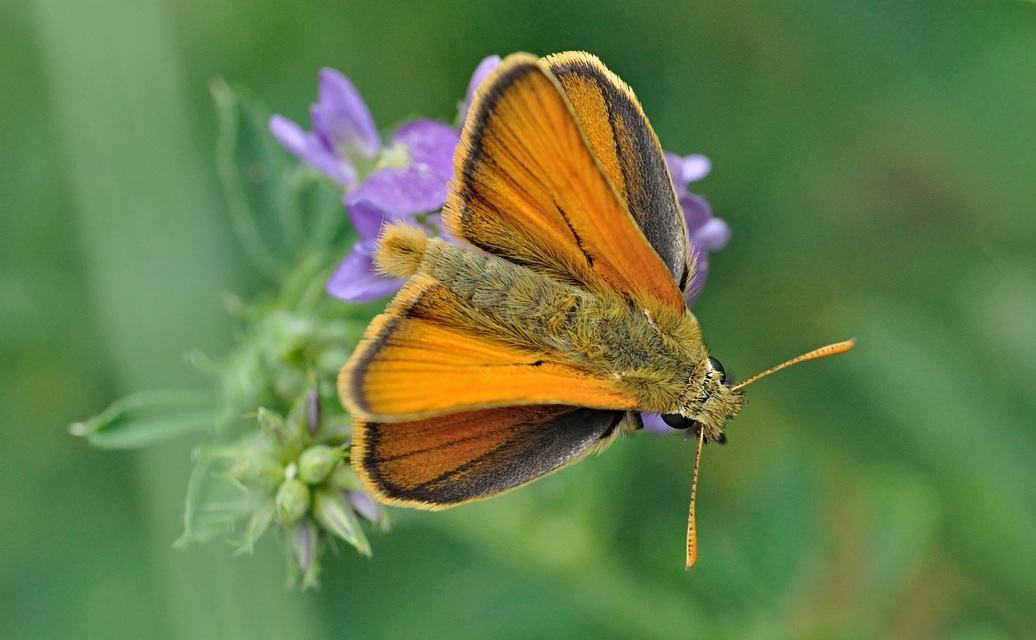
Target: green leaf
[250,166]
[312,211]
[147,418]
[279,208]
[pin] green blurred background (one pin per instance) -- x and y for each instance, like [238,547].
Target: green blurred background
[876,162]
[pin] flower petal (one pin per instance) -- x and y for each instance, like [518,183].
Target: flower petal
[393,194]
[675,165]
[696,211]
[418,186]
[704,232]
[364,505]
[695,167]
[431,146]
[653,422]
[366,213]
[342,118]
[355,280]
[687,169]
[311,149]
[481,71]
[712,236]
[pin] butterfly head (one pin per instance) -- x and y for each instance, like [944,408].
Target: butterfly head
[713,403]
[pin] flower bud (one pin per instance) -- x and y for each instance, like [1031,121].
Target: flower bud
[335,513]
[292,501]
[317,462]
[306,538]
[304,546]
[313,413]
[364,505]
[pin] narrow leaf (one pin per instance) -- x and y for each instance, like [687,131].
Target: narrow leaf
[147,418]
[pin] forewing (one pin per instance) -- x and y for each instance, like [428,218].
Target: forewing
[529,188]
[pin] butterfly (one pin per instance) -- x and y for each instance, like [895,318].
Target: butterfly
[556,319]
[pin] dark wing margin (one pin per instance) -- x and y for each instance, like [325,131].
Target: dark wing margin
[629,151]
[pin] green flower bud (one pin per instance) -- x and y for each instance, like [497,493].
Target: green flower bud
[305,543]
[317,462]
[292,501]
[313,412]
[335,514]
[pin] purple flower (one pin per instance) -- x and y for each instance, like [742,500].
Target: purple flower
[409,179]
[653,422]
[366,507]
[355,279]
[481,71]
[343,131]
[705,233]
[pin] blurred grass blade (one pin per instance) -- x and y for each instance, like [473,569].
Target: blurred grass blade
[147,418]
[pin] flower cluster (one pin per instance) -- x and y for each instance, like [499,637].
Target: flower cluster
[705,232]
[293,471]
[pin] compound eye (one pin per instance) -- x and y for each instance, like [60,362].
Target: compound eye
[716,366]
[679,421]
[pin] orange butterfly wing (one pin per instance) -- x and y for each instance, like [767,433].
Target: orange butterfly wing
[529,188]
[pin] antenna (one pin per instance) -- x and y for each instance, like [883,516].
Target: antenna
[822,352]
[829,350]
[692,535]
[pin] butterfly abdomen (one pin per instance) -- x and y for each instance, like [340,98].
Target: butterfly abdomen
[400,250]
